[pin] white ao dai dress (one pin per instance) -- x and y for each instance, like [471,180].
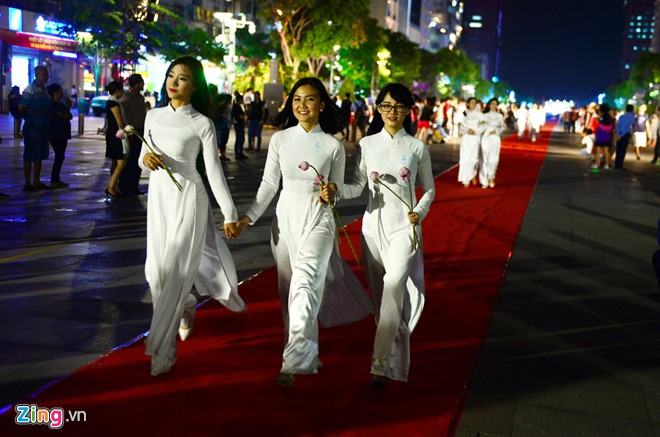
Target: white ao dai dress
[184,247]
[394,268]
[314,282]
[490,147]
[469,152]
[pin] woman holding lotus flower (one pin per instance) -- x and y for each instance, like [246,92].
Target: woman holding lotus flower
[183,246]
[389,160]
[314,281]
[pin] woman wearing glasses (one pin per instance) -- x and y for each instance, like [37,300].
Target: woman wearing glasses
[389,160]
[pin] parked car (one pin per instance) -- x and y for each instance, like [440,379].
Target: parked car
[98,105]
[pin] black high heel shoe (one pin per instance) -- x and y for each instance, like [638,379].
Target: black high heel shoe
[109,195]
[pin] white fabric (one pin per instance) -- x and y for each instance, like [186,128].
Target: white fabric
[303,243]
[395,271]
[184,247]
[490,146]
[469,152]
[639,139]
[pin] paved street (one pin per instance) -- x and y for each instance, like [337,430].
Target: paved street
[573,347]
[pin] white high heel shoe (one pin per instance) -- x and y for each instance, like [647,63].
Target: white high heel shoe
[188,319]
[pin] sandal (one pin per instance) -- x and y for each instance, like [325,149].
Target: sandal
[41,186]
[29,188]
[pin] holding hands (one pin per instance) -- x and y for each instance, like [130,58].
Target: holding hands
[243,222]
[232,230]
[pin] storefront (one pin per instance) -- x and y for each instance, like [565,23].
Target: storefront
[28,40]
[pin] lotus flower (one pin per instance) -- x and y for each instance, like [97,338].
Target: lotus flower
[129,129]
[373,175]
[304,166]
[405,176]
[121,134]
[404,173]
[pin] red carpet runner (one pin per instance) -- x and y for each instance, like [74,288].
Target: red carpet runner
[223,383]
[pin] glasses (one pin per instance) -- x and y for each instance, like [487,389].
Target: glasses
[386,107]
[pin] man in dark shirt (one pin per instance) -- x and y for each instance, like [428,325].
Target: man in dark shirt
[257,115]
[346,111]
[34,106]
[136,111]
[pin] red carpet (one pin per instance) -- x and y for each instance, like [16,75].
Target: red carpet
[224,380]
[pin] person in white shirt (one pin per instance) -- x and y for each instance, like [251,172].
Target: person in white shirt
[490,144]
[472,126]
[521,120]
[303,237]
[389,158]
[183,246]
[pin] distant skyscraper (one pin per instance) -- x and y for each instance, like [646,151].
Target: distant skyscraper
[482,32]
[638,32]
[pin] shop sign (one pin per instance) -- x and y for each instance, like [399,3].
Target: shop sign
[38,42]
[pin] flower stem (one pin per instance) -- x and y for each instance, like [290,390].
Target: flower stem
[151,149]
[415,238]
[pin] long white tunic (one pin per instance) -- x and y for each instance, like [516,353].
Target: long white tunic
[304,245]
[490,146]
[184,247]
[394,269]
[469,153]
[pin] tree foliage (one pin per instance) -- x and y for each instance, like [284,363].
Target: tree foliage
[193,42]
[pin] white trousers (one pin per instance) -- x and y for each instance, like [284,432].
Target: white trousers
[490,158]
[469,158]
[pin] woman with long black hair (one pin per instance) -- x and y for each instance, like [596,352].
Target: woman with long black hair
[303,236]
[389,161]
[183,246]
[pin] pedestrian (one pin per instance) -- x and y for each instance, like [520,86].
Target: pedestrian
[34,107]
[238,120]
[135,107]
[115,149]
[303,237]
[603,137]
[641,130]
[14,99]
[73,96]
[183,246]
[653,142]
[471,129]
[346,112]
[223,124]
[623,133]
[257,116]
[490,144]
[424,123]
[392,253]
[359,111]
[59,132]
[521,120]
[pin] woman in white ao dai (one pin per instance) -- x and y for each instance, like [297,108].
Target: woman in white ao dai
[393,265]
[471,127]
[183,245]
[303,233]
[490,144]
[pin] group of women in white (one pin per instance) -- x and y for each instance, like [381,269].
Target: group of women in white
[480,144]
[315,283]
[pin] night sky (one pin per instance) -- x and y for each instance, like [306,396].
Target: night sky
[561,48]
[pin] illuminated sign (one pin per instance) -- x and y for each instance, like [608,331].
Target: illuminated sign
[15,19]
[65,54]
[38,42]
[43,25]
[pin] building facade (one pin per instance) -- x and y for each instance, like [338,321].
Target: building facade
[482,34]
[638,32]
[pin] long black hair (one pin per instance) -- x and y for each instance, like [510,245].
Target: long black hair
[331,118]
[605,116]
[201,98]
[399,93]
[487,108]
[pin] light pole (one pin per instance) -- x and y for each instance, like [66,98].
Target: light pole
[228,38]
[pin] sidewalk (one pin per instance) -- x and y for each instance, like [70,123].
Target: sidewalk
[574,343]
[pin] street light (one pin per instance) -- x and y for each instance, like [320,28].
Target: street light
[228,38]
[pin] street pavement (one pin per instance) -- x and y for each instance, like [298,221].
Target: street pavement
[573,344]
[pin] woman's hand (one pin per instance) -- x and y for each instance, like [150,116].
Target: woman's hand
[327,193]
[153,162]
[243,222]
[232,230]
[413,218]
[471,131]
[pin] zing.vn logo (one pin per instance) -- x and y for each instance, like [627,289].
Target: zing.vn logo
[53,417]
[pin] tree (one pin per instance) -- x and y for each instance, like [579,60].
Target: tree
[193,42]
[308,29]
[358,62]
[405,58]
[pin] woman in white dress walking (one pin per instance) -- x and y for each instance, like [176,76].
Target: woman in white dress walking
[303,231]
[490,144]
[391,234]
[183,246]
[471,128]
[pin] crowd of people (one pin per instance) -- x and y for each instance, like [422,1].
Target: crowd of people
[607,133]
